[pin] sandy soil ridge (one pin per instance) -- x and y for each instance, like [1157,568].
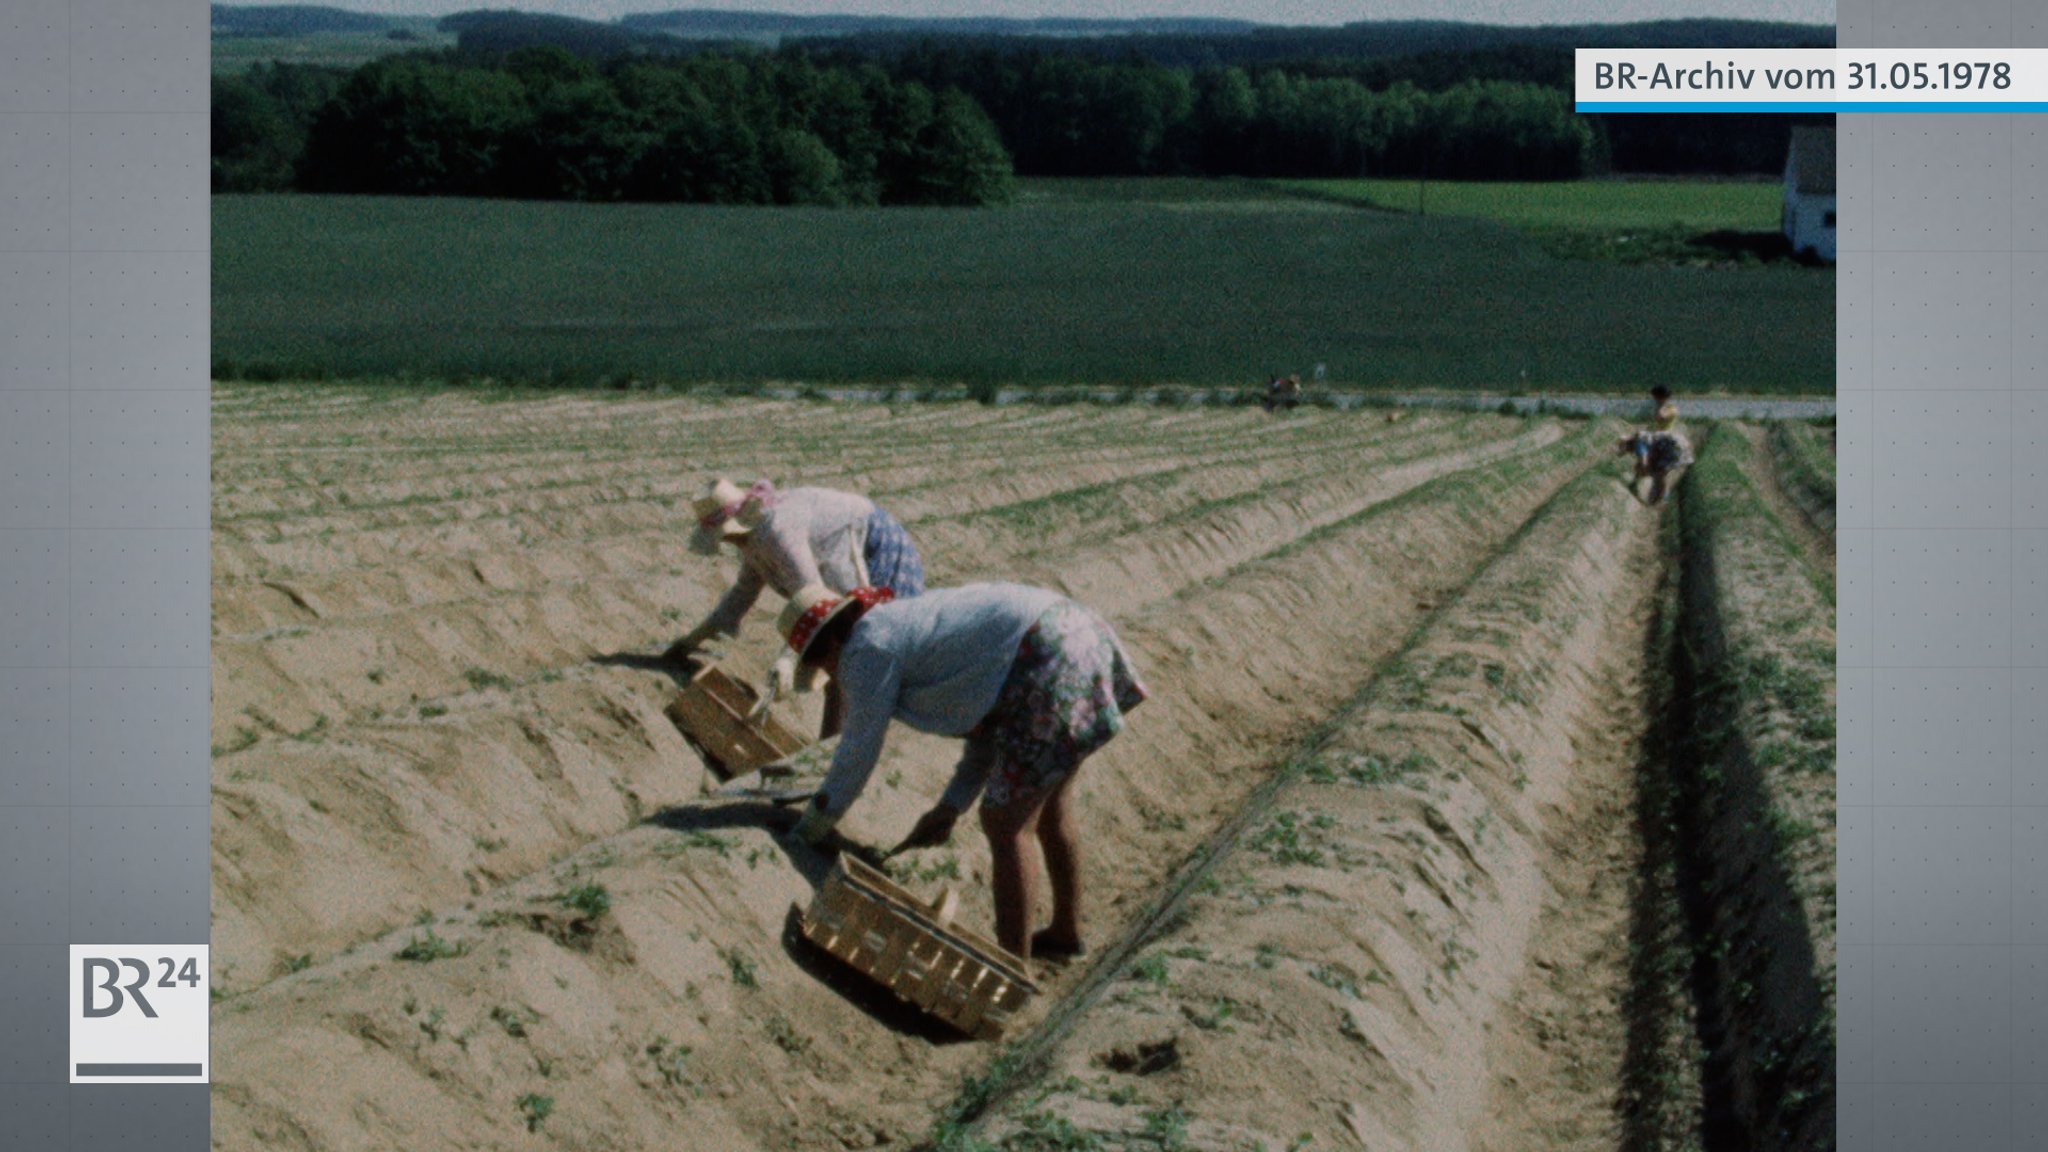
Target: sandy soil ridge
[682,1007]
[1358,968]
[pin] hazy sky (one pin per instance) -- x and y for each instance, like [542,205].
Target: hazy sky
[1264,11]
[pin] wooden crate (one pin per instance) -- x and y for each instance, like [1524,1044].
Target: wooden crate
[712,714]
[916,951]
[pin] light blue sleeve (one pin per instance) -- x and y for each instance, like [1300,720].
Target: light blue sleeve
[970,776]
[869,681]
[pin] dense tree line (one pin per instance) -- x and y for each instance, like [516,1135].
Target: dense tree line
[1076,114]
[1476,113]
[609,113]
[542,123]
[260,119]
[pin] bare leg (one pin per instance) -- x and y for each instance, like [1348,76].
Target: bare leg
[1013,845]
[1063,862]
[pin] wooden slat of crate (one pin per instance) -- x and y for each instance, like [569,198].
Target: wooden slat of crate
[875,926]
[712,713]
[894,894]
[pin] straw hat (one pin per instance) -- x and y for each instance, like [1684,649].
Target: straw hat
[814,606]
[716,513]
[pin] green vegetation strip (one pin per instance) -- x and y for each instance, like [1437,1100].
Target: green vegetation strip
[1699,205]
[1657,222]
[1809,471]
[1112,293]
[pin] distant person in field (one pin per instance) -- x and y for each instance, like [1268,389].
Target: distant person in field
[1659,450]
[1033,682]
[1663,410]
[1282,392]
[789,540]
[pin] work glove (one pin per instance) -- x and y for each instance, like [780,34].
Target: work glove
[781,681]
[816,827]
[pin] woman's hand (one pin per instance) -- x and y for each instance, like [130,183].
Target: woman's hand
[933,829]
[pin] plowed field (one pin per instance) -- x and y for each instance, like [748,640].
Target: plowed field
[1404,852]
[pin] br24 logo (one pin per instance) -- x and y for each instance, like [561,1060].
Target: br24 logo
[112,969]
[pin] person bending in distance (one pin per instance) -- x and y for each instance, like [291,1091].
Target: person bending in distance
[787,540]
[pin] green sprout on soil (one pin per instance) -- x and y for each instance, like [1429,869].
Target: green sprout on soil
[742,969]
[670,1059]
[430,947]
[1364,770]
[945,868]
[483,678]
[722,845]
[1151,969]
[1167,1127]
[514,1020]
[535,1109]
[1282,842]
[590,899]
[244,739]
[1338,977]
[1044,1131]
[786,1037]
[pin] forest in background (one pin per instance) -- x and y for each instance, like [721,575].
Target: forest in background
[678,107]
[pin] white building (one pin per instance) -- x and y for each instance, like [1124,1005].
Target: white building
[1810,191]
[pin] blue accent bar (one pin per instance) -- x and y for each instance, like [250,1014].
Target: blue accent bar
[1836,106]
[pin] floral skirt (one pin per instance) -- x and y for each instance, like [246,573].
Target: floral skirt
[1668,451]
[1065,697]
[1662,451]
[891,557]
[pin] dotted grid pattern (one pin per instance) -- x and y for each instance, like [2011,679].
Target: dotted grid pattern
[1942,378]
[103,533]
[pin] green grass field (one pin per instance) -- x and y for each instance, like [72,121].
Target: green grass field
[1091,283]
[1696,205]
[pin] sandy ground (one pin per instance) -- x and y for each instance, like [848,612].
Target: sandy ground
[1422,944]
[433,720]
